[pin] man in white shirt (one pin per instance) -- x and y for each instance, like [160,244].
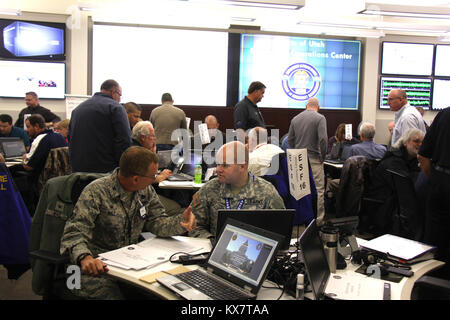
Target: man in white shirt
[406,116]
[261,153]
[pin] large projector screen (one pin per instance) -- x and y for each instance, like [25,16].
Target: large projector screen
[295,69]
[147,62]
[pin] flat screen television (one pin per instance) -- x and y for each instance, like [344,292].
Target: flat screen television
[32,40]
[47,79]
[407,58]
[294,69]
[441,89]
[147,62]
[418,90]
[441,62]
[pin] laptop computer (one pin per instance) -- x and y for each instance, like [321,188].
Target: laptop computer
[275,220]
[339,153]
[324,284]
[235,269]
[12,148]
[165,159]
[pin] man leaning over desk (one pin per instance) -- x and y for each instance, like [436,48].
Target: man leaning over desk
[234,188]
[111,213]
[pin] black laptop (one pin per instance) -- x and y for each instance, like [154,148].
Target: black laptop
[236,267]
[275,220]
[184,169]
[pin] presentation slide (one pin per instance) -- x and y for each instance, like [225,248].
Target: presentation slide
[147,62]
[441,88]
[47,79]
[441,62]
[418,90]
[295,69]
[407,58]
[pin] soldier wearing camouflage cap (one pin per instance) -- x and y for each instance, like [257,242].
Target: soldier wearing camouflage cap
[111,213]
[234,188]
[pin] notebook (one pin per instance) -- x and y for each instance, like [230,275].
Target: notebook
[239,264]
[324,284]
[275,220]
[184,170]
[12,148]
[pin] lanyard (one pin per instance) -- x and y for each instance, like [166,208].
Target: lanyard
[238,207]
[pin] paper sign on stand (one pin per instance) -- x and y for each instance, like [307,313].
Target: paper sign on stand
[348,131]
[297,160]
[204,134]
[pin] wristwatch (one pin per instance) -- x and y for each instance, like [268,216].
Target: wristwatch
[81,257]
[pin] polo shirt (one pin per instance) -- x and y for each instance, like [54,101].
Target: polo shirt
[247,115]
[46,113]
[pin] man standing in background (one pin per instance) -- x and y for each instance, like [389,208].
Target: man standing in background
[99,131]
[406,116]
[308,130]
[166,119]
[33,107]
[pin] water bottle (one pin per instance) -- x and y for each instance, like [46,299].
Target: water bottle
[198,174]
[330,238]
[300,287]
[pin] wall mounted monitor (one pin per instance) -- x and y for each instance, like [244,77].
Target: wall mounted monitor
[47,79]
[407,58]
[295,69]
[32,40]
[147,62]
[441,89]
[442,62]
[418,90]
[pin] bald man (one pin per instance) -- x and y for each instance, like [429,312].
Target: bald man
[234,188]
[406,116]
[308,130]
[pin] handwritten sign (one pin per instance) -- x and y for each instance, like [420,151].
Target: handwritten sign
[72,101]
[298,173]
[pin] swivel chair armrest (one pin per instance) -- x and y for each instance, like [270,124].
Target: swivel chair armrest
[434,282]
[50,257]
[431,288]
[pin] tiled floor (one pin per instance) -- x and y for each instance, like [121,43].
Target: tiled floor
[19,289]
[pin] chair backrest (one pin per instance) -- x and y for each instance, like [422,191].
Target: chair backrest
[355,176]
[406,217]
[55,207]
[57,164]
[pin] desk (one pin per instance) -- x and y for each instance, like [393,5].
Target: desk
[399,291]
[186,185]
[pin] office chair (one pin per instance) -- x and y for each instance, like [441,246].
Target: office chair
[431,288]
[57,164]
[55,206]
[407,220]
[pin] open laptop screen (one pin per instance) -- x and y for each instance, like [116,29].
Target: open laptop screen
[243,254]
[314,258]
[13,148]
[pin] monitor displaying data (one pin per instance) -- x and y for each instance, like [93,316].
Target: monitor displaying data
[418,90]
[294,69]
[442,62]
[47,79]
[441,89]
[407,58]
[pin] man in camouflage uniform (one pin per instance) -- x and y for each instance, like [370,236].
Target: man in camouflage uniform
[111,213]
[234,188]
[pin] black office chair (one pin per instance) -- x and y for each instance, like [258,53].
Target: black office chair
[407,221]
[431,288]
[55,206]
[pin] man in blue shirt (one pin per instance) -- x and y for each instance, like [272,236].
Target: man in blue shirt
[367,147]
[99,131]
[8,130]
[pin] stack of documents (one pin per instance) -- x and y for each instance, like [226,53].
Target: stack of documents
[148,253]
[399,249]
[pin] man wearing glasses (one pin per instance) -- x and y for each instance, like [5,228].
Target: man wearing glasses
[406,116]
[99,131]
[110,214]
[234,188]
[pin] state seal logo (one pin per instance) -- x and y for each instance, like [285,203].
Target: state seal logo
[301,81]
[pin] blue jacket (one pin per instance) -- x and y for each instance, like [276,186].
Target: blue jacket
[99,132]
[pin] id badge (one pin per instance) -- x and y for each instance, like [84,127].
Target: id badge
[143,212]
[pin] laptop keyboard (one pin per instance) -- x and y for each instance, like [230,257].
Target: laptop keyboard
[211,287]
[180,176]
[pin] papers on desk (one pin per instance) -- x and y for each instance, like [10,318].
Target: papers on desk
[148,253]
[400,249]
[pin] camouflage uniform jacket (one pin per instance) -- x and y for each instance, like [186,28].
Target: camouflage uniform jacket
[106,217]
[213,196]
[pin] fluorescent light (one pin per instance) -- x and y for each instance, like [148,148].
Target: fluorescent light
[410,30]
[406,14]
[11,12]
[335,25]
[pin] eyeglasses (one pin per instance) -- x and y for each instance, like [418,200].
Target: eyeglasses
[144,176]
[390,99]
